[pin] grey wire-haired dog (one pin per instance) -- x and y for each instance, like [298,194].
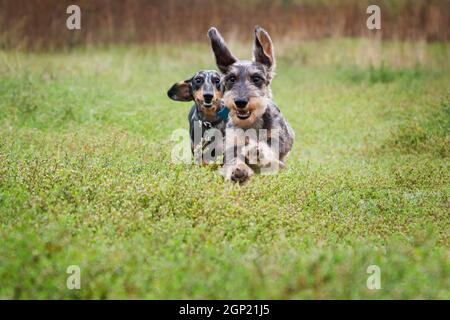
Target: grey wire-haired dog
[247,93]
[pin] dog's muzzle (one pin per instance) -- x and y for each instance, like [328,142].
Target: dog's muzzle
[207,98]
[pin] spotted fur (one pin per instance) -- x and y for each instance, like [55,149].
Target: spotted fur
[247,94]
[204,89]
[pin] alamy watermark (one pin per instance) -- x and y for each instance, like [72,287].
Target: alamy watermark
[73,22]
[73,281]
[374,280]
[374,20]
[255,147]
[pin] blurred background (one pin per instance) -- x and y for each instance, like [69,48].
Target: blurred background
[40,24]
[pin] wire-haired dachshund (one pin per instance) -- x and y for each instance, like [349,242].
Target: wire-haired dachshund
[207,113]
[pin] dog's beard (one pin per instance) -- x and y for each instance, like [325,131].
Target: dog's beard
[246,117]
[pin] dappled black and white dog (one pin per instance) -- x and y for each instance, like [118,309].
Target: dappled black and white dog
[257,134]
[204,89]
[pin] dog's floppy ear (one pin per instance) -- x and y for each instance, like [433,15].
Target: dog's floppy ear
[181,91]
[263,48]
[224,57]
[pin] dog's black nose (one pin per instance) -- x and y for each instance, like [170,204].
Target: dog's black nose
[241,103]
[208,97]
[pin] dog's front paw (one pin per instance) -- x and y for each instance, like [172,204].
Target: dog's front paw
[240,173]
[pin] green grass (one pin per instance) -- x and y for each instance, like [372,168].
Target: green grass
[86,179]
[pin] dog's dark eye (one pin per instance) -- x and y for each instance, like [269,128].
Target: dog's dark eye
[198,80]
[216,80]
[232,79]
[257,79]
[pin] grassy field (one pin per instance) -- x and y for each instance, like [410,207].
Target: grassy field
[86,178]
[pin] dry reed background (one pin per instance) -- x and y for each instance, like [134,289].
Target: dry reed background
[40,24]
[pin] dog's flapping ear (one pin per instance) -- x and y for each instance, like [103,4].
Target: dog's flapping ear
[224,57]
[263,49]
[181,91]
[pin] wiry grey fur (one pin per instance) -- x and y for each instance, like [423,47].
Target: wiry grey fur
[247,93]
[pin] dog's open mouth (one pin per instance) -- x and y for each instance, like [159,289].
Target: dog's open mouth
[207,103]
[243,114]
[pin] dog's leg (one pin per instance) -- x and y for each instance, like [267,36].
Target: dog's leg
[239,172]
[268,160]
[261,155]
[235,169]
